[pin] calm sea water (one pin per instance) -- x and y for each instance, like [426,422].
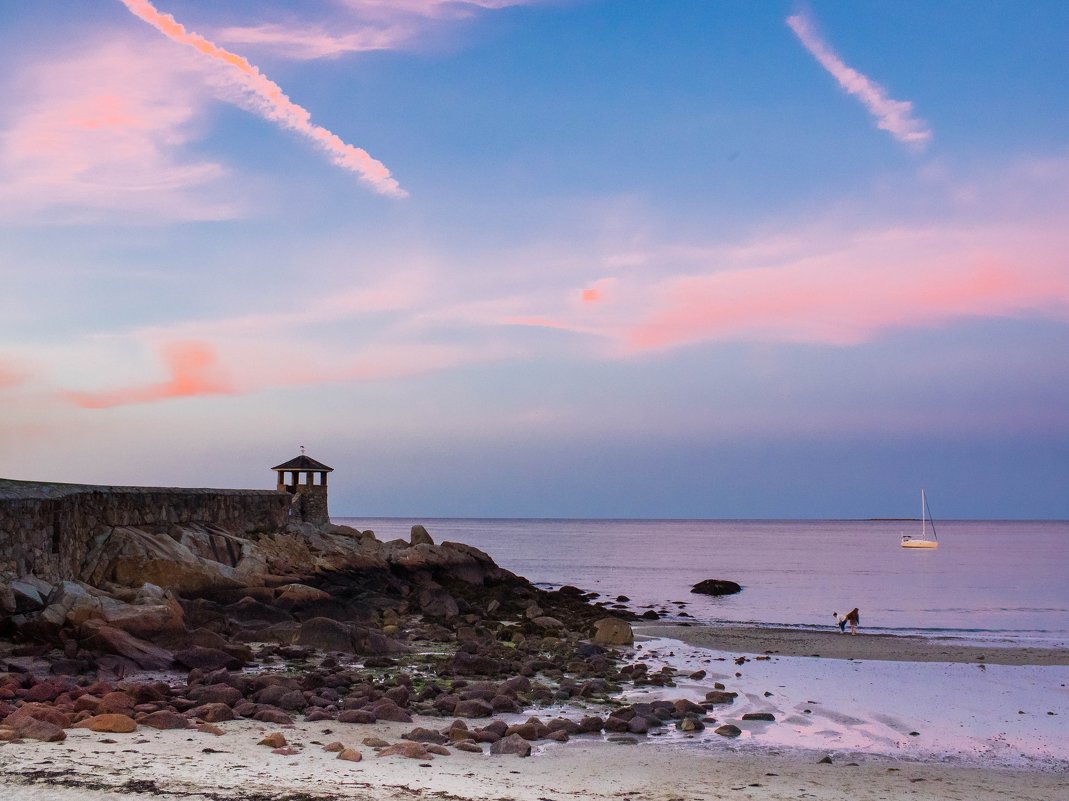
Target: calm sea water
[988,580]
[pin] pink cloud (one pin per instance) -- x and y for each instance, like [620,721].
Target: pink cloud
[894,116]
[9,377]
[194,371]
[270,101]
[850,297]
[102,131]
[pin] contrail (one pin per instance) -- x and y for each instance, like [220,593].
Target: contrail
[893,116]
[273,103]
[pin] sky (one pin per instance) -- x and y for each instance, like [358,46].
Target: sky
[542,258]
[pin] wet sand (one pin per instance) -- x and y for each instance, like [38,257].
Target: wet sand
[1011,745]
[150,764]
[834,645]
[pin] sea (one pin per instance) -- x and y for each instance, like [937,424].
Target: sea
[996,582]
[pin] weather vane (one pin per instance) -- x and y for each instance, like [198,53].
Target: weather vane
[302,449]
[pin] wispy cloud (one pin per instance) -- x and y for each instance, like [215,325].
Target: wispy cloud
[193,368]
[894,116]
[270,101]
[358,26]
[103,131]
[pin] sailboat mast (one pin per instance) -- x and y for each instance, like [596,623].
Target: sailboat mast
[924,528]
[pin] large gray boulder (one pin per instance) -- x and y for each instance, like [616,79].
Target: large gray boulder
[612,631]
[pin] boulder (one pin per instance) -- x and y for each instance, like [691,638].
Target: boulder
[473,708]
[120,724]
[406,749]
[716,587]
[32,729]
[436,602]
[419,536]
[728,730]
[131,556]
[99,636]
[207,659]
[326,635]
[165,719]
[423,735]
[612,631]
[511,744]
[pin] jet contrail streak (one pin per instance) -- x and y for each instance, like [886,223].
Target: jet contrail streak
[273,102]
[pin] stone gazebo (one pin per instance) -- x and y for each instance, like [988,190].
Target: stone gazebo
[309,496]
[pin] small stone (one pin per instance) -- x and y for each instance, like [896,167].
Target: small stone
[350,755]
[728,730]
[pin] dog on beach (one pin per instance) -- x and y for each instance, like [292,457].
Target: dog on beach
[853,617]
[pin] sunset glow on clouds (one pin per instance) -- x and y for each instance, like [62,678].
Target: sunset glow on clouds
[662,245]
[104,131]
[193,371]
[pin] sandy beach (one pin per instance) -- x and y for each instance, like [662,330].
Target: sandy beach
[843,730]
[150,764]
[835,645]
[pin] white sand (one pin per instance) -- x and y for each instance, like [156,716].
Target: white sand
[984,733]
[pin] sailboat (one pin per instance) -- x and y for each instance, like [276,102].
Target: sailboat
[923,541]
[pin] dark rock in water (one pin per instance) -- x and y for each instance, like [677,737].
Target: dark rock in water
[759,716]
[728,730]
[716,587]
[649,614]
[720,697]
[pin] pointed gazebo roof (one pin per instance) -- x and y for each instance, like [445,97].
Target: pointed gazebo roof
[303,462]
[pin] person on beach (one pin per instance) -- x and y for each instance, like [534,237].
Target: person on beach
[853,617]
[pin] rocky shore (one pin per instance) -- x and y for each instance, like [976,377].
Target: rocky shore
[190,626]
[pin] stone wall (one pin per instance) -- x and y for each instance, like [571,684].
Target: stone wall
[47,529]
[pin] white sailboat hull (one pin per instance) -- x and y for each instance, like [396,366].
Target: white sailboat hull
[919,544]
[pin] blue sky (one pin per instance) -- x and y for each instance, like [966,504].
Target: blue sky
[542,258]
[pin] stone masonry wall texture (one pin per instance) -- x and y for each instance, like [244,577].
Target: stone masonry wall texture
[46,529]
